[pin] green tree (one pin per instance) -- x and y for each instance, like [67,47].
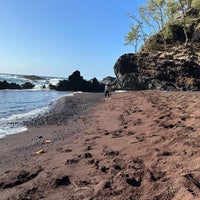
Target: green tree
[132,38]
[195,4]
[154,14]
[183,9]
[136,35]
[152,18]
[172,10]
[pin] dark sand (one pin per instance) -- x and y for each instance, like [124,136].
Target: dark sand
[139,145]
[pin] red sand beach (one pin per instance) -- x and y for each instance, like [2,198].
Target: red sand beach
[140,145]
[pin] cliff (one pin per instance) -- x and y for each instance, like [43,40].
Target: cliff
[169,66]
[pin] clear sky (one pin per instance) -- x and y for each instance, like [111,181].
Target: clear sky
[57,37]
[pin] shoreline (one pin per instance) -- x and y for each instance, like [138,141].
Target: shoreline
[66,111]
[139,145]
[22,112]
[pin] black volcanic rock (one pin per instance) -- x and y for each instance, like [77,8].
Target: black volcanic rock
[176,69]
[27,85]
[5,85]
[76,82]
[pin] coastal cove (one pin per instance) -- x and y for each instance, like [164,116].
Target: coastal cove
[133,133]
[140,145]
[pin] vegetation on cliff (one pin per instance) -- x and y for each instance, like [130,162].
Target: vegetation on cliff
[164,22]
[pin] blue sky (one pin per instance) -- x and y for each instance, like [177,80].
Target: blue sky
[57,37]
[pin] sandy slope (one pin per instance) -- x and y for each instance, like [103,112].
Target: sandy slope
[138,145]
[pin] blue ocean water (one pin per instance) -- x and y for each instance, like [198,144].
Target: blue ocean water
[20,105]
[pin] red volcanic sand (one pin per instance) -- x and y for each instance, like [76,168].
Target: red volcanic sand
[138,145]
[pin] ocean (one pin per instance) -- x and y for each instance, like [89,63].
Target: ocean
[17,106]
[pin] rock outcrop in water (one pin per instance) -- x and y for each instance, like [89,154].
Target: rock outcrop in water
[5,85]
[171,67]
[76,82]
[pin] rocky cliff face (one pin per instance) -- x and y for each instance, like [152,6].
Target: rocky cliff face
[175,68]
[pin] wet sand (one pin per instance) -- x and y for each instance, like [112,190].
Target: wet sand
[139,145]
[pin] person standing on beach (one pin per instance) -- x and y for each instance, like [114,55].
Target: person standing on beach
[107,91]
[110,87]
